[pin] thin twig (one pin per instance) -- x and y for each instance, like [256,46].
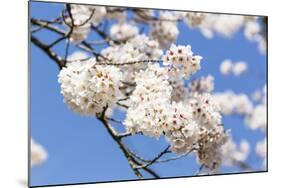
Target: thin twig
[126,134]
[66,51]
[199,170]
[57,41]
[113,120]
[122,105]
[166,150]
[174,158]
[132,62]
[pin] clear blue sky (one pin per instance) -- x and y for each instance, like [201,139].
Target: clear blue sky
[80,149]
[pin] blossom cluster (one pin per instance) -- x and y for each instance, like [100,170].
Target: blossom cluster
[253,32]
[82,17]
[258,118]
[233,153]
[209,24]
[166,32]
[116,13]
[194,19]
[138,48]
[189,124]
[231,103]
[204,84]
[144,15]
[255,118]
[148,111]
[236,68]
[261,150]
[180,60]
[226,26]
[88,88]
[123,31]
[159,102]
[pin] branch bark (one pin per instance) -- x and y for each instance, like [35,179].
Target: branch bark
[45,48]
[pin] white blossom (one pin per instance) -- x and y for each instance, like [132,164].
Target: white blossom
[179,91]
[137,48]
[205,110]
[123,31]
[38,153]
[253,32]
[194,19]
[148,102]
[252,29]
[182,131]
[166,32]
[211,134]
[211,24]
[76,56]
[79,34]
[180,60]
[239,68]
[83,16]
[233,153]
[261,148]
[144,15]
[243,105]
[210,141]
[256,95]
[226,101]
[98,15]
[116,13]
[225,25]
[202,85]
[258,118]
[88,88]
[149,118]
[231,103]
[226,67]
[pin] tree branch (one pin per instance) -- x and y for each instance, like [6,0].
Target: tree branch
[120,144]
[45,48]
[131,160]
[166,150]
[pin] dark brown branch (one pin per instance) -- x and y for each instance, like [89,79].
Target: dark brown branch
[46,25]
[131,62]
[113,120]
[84,45]
[132,161]
[43,23]
[66,52]
[57,41]
[166,150]
[126,134]
[174,158]
[68,8]
[72,24]
[122,105]
[45,48]
[120,144]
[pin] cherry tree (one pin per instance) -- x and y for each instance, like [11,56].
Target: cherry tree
[147,75]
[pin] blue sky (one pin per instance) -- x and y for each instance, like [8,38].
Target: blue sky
[80,149]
